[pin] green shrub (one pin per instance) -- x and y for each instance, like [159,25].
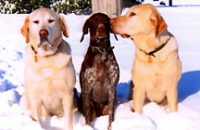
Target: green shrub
[73,6]
[61,6]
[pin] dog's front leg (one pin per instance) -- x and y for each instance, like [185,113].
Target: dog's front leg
[138,98]
[36,110]
[68,110]
[172,98]
[111,104]
[87,111]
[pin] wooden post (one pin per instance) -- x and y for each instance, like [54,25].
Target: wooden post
[119,7]
[110,7]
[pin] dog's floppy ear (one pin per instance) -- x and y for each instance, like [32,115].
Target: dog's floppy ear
[115,36]
[110,29]
[158,22]
[63,25]
[85,29]
[113,33]
[25,29]
[161,25]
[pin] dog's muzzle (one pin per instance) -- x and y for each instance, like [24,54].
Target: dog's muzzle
[43,33]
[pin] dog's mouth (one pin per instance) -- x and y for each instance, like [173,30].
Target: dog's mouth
[116,31]
[45,47]
[43,39]
[44,43]
[125,35]
[47,44]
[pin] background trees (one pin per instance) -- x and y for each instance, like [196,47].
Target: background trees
[61,6]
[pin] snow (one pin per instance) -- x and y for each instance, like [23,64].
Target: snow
[183,22]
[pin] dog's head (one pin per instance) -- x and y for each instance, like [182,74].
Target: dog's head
[99,27]
[43,29]
[139,20]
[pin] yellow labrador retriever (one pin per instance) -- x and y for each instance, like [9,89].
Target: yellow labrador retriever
[49,72]
[157,67]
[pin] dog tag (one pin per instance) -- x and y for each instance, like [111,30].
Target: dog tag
[35,58]
[150,60]
[104,56]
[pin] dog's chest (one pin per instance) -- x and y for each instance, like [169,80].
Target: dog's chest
[100,69]
[47,68]
[48,71]
[100,76]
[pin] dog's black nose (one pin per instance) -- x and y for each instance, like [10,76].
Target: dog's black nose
[43,33]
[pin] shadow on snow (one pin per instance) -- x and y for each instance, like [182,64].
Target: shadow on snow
[189,84]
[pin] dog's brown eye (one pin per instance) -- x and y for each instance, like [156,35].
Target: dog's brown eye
[50,20]
[36,21]
[132,14]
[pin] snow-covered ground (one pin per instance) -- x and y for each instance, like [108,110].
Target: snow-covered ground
[183,22]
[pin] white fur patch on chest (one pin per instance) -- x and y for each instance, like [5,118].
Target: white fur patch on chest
[90,75]
[48,72]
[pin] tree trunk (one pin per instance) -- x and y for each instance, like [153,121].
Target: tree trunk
[170,3]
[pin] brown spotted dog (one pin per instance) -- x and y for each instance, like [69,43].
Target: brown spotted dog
[99,73]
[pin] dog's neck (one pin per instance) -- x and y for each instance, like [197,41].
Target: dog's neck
[158,43]
[104,51]
[150,44]
[152,53]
